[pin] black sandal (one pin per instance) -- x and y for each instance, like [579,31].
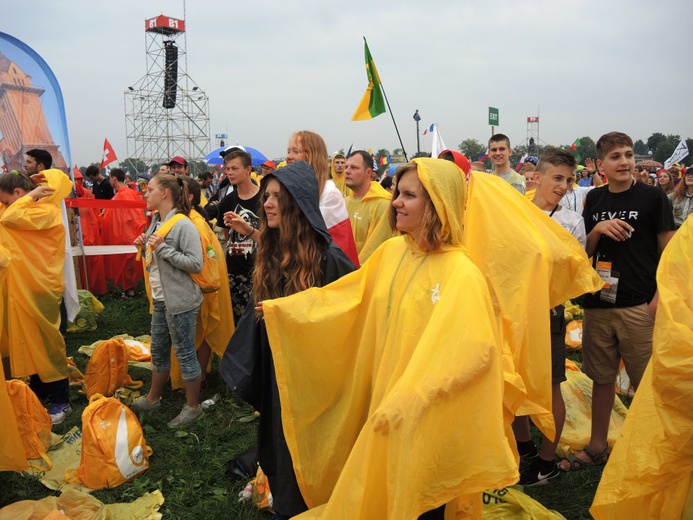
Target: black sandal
[598,459]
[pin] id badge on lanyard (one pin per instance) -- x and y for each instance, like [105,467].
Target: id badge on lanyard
[610,278]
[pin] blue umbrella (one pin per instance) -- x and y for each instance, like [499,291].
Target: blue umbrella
[214,156]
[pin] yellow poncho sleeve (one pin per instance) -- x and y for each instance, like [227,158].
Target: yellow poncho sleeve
[649,471]
[531,264]
[391,386]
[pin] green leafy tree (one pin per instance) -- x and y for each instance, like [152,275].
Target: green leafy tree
[132,165]
[197,167]
[471,148]
[654,140]
[517,153]
[586,149]
[382,152]
[666,147]
[639,147]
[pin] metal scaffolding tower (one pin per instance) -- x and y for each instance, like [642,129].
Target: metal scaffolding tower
[532,134]
[166,113]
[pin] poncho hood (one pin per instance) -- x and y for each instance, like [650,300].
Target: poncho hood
[332,170]
[60,182]
[446,186]
[301,182]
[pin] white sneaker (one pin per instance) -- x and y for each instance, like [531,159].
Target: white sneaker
[187,415]
[142,404]
[58,412]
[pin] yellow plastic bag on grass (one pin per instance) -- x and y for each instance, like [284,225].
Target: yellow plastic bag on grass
[623,385]
[573,335]
[65,452]
[512,504]
[89,308]
[257,492]
[577,394]
[76,504]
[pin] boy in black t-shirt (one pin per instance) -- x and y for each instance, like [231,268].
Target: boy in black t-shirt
[628,225]
[238,213]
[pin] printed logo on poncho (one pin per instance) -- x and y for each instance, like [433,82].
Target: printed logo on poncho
[435,294]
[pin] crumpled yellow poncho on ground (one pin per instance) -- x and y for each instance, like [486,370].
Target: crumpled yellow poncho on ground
[649,471]
[531,265]
[33,232]
[390,378]
[76,504]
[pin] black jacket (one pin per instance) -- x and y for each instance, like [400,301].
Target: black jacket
[247,366]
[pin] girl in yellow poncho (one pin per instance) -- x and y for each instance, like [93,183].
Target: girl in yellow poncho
[33,232]
[390,378]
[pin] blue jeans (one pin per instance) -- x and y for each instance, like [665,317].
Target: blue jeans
[178,330]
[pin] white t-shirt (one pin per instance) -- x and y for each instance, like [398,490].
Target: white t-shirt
[571,222]
[575,199]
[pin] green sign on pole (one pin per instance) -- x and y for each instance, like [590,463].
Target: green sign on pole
[493,116]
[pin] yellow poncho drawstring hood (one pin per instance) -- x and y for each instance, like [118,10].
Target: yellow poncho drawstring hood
[445,184]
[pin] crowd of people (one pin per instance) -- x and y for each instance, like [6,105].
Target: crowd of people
[352,311]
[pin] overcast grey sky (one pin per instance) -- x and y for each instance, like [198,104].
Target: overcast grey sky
[271,67]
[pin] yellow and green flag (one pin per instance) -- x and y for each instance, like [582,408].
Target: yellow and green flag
[372,103]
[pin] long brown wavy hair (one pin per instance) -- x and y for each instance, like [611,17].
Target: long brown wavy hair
[288,258]
[316,155]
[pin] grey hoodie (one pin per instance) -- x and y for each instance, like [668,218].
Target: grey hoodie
[179,255]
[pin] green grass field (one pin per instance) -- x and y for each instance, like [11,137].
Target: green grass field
[188,465]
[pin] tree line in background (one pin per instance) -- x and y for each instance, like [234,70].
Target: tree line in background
[658,147]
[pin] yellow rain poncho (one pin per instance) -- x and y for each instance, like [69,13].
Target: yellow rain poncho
[339,179]
[215,318]
[390,378]
[531,264]
[649,472]
[33,232]
[368,218]
[11,449]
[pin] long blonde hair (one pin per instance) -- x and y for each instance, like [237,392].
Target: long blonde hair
[316,155]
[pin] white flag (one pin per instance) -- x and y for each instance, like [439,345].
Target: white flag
[438,145]
[680,153]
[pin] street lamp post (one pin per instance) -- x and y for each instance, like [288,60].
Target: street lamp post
[417,118]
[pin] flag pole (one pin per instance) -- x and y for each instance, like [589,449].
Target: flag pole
[394,123]
[404,152]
